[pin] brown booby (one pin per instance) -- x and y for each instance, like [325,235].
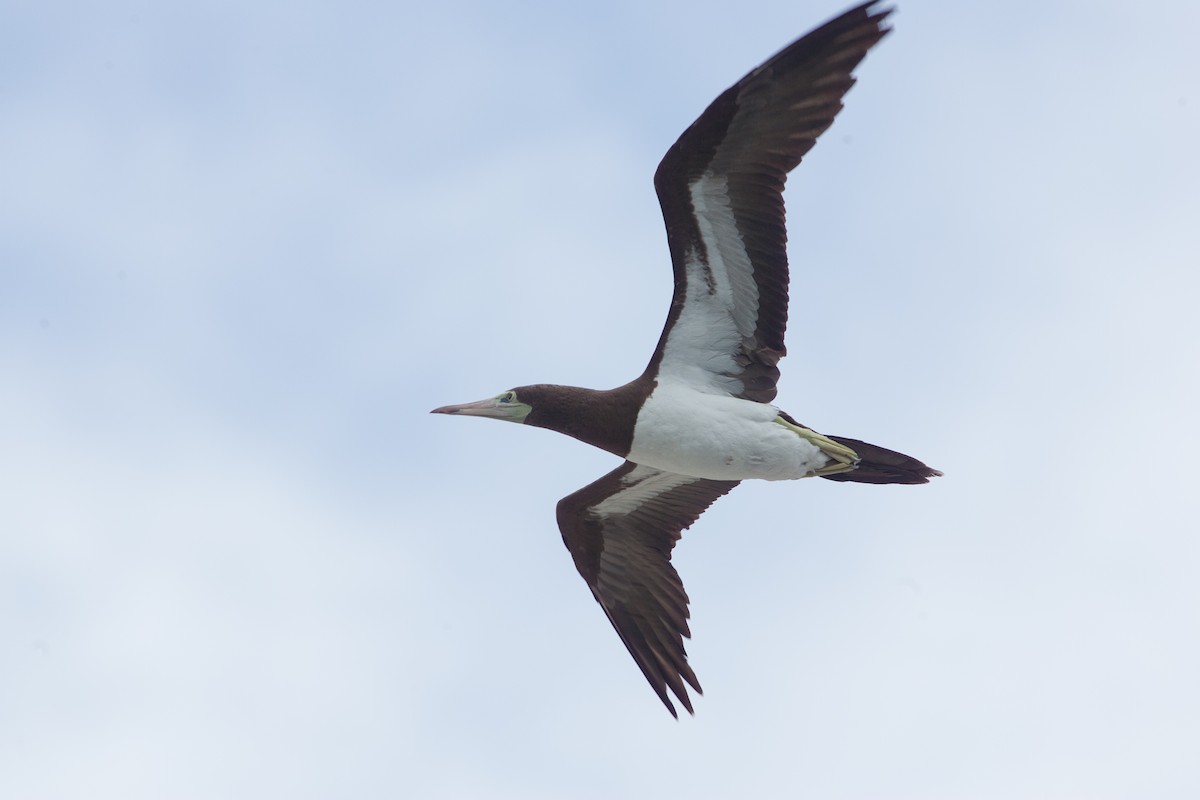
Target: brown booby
[698,420]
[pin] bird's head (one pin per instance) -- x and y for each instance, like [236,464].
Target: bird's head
[506,405]
[603,419]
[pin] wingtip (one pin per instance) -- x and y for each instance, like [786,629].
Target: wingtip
[685,699]
[877,9]
[681,695]
[878,13]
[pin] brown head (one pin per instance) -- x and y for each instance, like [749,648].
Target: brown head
[604,419]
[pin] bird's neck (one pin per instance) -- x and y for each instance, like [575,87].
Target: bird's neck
[603,419]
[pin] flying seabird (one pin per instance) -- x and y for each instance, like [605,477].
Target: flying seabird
[699,419]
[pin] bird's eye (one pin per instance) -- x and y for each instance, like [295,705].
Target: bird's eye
[508,397]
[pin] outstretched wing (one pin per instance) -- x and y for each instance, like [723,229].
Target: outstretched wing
[620,531]
[721,191]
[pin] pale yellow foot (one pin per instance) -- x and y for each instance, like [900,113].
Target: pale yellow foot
[844,459]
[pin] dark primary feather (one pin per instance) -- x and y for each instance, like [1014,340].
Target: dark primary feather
[624,554]
[754,134]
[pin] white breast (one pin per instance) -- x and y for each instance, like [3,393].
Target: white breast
[718,437]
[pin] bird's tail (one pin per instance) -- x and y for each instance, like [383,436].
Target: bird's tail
[880,465]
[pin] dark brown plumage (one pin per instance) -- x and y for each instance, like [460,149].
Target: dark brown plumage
[602,419]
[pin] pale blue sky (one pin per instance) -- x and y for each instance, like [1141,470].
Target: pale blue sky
[244,249]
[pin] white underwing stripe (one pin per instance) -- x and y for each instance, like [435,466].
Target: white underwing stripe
[639,486]
[720,314]
[727,255]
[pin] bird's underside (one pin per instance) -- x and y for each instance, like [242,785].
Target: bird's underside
[697,421]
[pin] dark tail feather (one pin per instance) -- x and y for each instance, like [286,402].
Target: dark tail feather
[879,465]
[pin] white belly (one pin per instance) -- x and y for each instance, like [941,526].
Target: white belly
[722,438]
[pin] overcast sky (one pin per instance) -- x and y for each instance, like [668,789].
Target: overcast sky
[245,247]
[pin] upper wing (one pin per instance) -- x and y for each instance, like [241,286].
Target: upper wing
[721,191]
[620,531]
